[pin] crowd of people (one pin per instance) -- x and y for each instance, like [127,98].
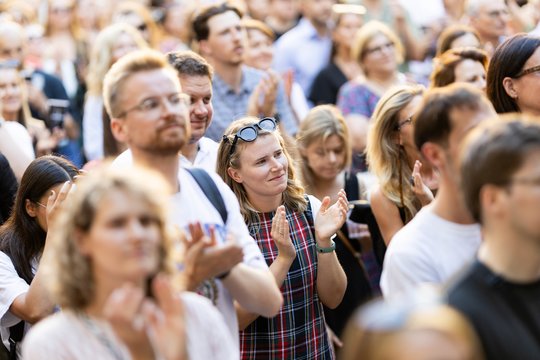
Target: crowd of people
[270,179]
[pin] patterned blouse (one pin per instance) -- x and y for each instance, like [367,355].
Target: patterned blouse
[357,98]
[298,331]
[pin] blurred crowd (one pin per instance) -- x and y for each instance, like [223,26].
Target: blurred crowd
[270,179]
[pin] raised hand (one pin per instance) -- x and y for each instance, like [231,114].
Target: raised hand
[164,320]
[280,235]
[331,218]
[205,259]
[420,189]
[54,201]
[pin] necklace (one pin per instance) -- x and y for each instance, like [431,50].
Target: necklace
[100,335]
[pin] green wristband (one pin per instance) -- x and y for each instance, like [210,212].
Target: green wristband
[325,250]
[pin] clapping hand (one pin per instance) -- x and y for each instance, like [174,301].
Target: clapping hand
[280,234]
[331,218]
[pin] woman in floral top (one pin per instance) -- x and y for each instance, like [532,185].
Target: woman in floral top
[294,233]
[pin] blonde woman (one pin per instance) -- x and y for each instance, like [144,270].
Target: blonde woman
[392,156]
[294,234]
[111,44]
[109,273]
[379,52]
[325,150]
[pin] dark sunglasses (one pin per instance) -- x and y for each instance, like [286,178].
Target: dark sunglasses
[249,133]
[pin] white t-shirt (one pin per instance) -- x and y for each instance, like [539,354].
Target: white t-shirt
[21,135]
[11,286]
[66,335]
[92,126]
[206,157]
[190,205]
[429,249]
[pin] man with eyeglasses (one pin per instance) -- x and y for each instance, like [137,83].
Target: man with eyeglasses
[500,292]
[442,237]
[142,95]
[490,20]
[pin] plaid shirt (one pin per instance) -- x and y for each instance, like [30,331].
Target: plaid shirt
[298,331]
[229,105]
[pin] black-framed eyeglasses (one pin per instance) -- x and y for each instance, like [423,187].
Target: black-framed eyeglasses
[528,71]
[403,123]
[250,132]
[379,49]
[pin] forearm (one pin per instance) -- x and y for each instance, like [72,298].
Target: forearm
[279,269]
[15,154]
[331,279]
[254,289]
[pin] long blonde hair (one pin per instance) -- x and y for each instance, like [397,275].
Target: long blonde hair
[388,159]
[293,196]
[320,123]
[101,57]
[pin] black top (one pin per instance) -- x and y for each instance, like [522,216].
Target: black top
[358,288]
[8,188]
[326,85]
[505,315]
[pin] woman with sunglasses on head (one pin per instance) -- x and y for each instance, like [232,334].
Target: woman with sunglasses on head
[393,157]
[294,233]
[513,75]
[23,244]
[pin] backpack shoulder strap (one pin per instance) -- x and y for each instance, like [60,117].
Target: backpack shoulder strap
[210,189]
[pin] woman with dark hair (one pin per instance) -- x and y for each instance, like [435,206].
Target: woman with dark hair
[456,36]
[512,77]
[44,185]
[343,66]
[460,65]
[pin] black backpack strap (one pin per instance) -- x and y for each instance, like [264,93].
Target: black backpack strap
[210,189]
[16,333]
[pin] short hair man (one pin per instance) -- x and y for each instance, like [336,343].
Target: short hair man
[500,292]
[490,20]
[443,236]
[238,89]
[306,48]
[195,75]
[142,95]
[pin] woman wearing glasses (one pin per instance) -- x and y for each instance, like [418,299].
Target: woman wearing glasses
[513,75]
[294,234]
[395,160]
[379,52]
[23,300]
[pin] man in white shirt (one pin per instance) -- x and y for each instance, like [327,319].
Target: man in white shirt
[148,112]
[195,75]
[443,236]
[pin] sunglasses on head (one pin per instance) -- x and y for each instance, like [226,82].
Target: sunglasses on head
[250,132]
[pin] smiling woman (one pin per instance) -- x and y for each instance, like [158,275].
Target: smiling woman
[294,234]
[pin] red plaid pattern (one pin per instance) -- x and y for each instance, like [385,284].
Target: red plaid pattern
[298,331]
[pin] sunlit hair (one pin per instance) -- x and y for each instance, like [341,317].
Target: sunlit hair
[293,196]
[76,31]
[452,33]
[367,32]
[125,8]
[133,63]
[381,329]
[493,153]
[252,24]
[21,11]
[444,72]
[70,272]
[387,159]
[320,124]
[101,56]
[24,116]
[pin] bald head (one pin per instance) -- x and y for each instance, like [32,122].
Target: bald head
[12,41]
